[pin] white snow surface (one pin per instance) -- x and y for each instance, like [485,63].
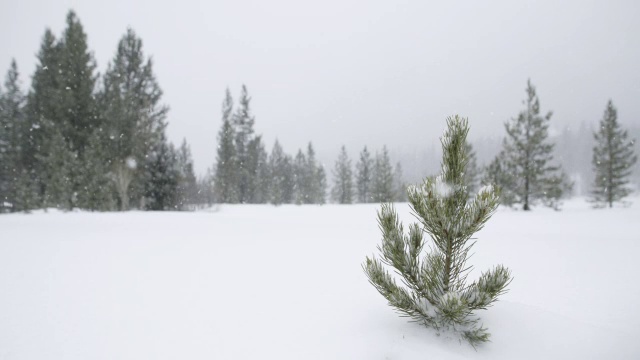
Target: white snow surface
[264,282]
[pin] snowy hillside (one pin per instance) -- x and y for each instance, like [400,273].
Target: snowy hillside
[264,282]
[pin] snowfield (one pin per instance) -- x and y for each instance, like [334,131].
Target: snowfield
[264,282]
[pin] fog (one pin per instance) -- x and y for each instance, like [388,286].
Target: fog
[359,72]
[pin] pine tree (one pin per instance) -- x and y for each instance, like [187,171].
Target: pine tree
[436,293]
[161,189]
[243,128]
[11,125]
[133,117]
[225,187]
[529,156]
[342,191]
[364,177]
[382,186]
[613,159]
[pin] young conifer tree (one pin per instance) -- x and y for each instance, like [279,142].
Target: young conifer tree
[613,159]
[436,293]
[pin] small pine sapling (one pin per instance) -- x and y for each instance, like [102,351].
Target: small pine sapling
[435,291]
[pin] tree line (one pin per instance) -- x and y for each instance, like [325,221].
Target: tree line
[246,174]
[78,139]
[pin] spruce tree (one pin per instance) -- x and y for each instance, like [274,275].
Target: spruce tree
[436,292]
[613,159]
[11,138]
[382,186]
[133,117]
[364,177]
[529,156]
[342,191]
[225,187]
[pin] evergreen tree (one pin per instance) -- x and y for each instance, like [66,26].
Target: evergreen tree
[314,185]
[42,108]
[299,177]
[529,156]
[78,116]
[133,117]
[187,184]
[498,174]
[27,196]
[254,164]
[243,128]
[11,125]
[60,173]
[613,159]
[364,177]
[161,189]
[288,182]
[382,186]
[342,191]
[321,179]
[262,188]
[225,187]
[436,293]
[400,187]
[278,166]
[96,190]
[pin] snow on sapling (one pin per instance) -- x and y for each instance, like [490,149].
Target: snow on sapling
[435,291]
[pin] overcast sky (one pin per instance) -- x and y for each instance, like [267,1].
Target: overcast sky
[358,72]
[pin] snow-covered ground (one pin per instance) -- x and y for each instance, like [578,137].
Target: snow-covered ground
[263,282]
